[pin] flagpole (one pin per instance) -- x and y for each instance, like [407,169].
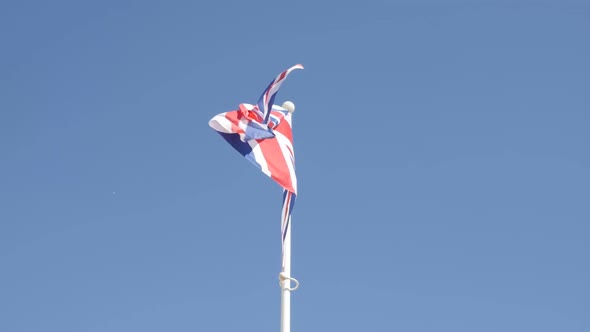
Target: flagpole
[285,278]
[285,282]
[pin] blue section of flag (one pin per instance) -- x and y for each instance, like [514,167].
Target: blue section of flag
[234,140]
[257,131]
[242,147]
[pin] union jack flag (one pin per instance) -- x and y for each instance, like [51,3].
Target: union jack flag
[263,134]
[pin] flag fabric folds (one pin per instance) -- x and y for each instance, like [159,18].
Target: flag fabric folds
[274,156]
[262,133]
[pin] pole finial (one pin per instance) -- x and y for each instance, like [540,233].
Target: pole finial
[289,106]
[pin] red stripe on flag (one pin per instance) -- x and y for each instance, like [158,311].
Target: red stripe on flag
[277,165]
[234,118]
[285,128]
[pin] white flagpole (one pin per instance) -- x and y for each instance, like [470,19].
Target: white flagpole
[286,284]
[285,278]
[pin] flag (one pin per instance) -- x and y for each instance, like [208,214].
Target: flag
[262,133]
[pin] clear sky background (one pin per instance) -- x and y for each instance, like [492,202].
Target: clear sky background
[442,154]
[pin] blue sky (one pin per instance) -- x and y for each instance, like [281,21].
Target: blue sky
[442,156]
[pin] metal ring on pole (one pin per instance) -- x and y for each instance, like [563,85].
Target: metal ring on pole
[283,277]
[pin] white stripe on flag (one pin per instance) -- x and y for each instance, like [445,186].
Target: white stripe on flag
[221,124]
[259,157]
